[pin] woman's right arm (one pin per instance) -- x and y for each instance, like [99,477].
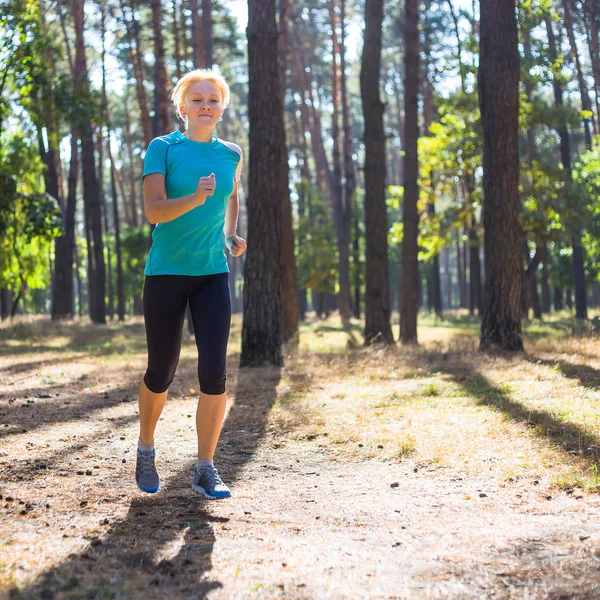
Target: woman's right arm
[159,209]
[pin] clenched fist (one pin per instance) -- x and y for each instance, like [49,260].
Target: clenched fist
[235,244]
[206,187]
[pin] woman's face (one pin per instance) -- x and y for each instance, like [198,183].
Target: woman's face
[202,105]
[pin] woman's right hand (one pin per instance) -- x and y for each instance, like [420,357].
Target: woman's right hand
[206,187]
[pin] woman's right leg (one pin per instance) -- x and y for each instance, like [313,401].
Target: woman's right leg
[165,303]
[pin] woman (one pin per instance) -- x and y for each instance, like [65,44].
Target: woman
[191,193]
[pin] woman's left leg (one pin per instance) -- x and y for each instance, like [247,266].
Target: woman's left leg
[210,306]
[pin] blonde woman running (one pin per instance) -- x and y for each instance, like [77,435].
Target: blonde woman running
[191,193]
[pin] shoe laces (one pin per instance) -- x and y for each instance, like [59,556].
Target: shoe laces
[211,473]
[147,468]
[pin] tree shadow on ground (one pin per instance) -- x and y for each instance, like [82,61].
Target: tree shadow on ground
[22,414]
[569,437]
[587,376]
[163,547]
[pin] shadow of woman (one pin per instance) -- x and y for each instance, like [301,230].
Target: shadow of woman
[163,546]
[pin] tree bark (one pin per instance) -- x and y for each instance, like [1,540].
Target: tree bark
[377,312]
[586,104]
[135,57]
[289,280]
[176,38]
[162,118]
[262,325]
[349,175]
[409,299]
[340,216]
[197,47]
[62,289]
[498,82]
[590,9]
[96,266]
[207,36]
[565,154]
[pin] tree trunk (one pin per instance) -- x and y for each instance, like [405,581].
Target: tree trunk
[409,300]
[207,33]
[586,104]
[434,297]
[91,196]
[135,57]
[289,280]
[546,301]
[498,82]
[565,154]
[162,119]
[377,314]
[176,39]
[590,9]
[461,269]
[197,47]
[339,208]
[262,325]
[62,289]
[349,175]
[117,226]
[131,170]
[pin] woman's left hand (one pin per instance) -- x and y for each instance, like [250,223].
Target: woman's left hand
[235,244]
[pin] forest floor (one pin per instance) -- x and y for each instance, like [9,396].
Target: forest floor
[433,472]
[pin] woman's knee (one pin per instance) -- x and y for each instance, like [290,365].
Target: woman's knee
[213,383]
[158,383]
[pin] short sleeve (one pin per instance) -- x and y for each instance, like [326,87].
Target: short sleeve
[238,151]
[155,160]
[238,169]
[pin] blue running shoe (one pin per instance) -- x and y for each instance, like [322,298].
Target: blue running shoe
[208,482]
[145,472]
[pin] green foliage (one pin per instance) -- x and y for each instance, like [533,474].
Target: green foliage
[317,259]
[29,218]
[135,244]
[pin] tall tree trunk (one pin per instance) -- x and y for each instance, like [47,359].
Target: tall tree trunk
[197,46]
[586,104]
[162,119]
[289,280]
[339,206]
[96,266]
[105,224]
[461,269]
[117,226]
[546,298]
[434,297]
[262,324]
[131,170]
[349,175]
[565,154]
[62,290]
[377,313]
[176,38]
[498,82]
[409,300]
[136,59]
[207,33]
[590,9]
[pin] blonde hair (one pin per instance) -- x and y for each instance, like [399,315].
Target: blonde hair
[191,77]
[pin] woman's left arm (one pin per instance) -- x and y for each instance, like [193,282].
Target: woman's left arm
[235,244]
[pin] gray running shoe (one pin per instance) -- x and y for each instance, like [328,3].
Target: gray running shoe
[208,482]
[145,472]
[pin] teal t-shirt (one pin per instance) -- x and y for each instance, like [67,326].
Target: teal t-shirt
[192,244]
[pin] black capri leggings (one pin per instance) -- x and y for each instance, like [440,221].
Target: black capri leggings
[165,302]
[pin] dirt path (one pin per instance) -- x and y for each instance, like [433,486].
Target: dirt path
[304,522]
